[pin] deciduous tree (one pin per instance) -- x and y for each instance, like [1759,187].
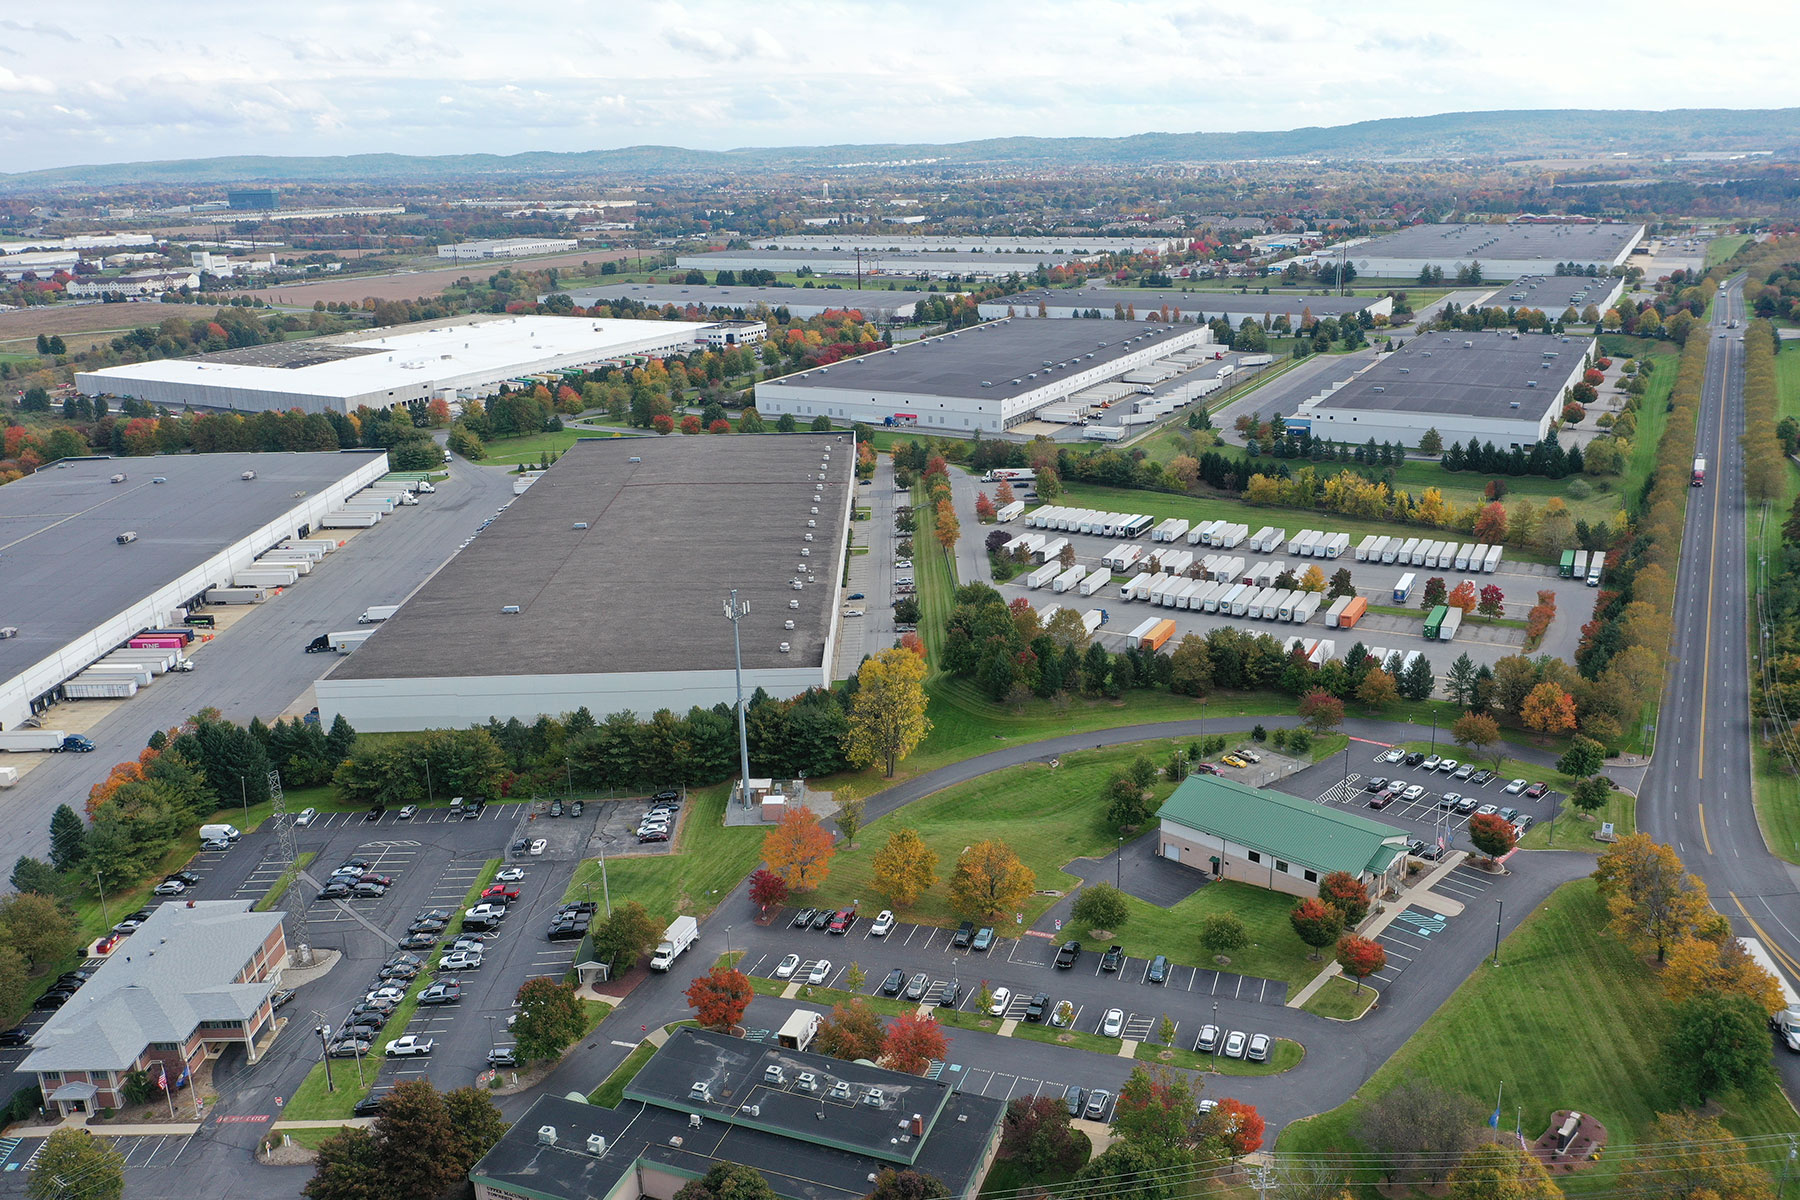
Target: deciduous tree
[1360,957]
[1036,1133]
[1591,794]
[1463,596]
[1584,757]
[550,1018]
[905,868]
[1654,902]
[729,1180]
[990,881]
[1480,733]
[799,849]
[1316,923]
[907,1184]
[1419,1129]
[346,1166]
[852,1031]
[1321,711]
[1348,894]
[477,1122]
[75,1163]
[1501,1172]
[1223,932]
[416,1143]
[849,814]
[1719,1043]
[1157,1111]
[767,889]
[1377,690]
[1492,602]
[1699,966]
[719,997]
[887,715]
[913,1042]
[1241,1127]
[38,928]
[945,527]
[1492,834]
[1549,710]
[1099,906]
[1690,1157]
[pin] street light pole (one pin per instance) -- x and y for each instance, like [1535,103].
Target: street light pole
[736,611]
[324,1032]
[1119,862]
[1499,909]
[101,888]
[728,947]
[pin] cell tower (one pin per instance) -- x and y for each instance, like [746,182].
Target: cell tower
[284,830]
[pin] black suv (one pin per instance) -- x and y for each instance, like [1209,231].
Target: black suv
[1375,784]
[1113,959]
[950,993]
[1415,758]
[1159,970]
[965,933]
[1040,1004]
[1067,955]
[896,979]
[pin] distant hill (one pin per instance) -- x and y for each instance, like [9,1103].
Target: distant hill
[1487,136]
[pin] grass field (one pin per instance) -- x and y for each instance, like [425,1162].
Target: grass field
[1653,408]
[529,448]
[1341,999]
[706,863]
[1723,247]
[1777,792]
[1569,1020]
[612,1089]
[1285,1056]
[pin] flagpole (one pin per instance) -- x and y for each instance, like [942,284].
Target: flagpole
[168,1092]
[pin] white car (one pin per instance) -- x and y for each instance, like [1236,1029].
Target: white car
[787,967]
[460,960]
[1448,765]
[853,612]
[305,816]
[170,887]
[1415,792]
[485,912]
[387,992]
[1515,787]
[1487,810]
[820,972]
[1113,1024]
[903,564]
[410,1045]
[537,847]
[1393,756]
[1002,998]
[510,875]
[884,921]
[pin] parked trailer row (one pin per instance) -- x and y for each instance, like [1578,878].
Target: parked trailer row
[1122,557]
[1169,530]
[1049,551]
[1268,539]
[1223,534]
[1069,579]
[1345,612]
[344,519]
[1089,521]
[1315,543]
[1318,651]
[1043,575]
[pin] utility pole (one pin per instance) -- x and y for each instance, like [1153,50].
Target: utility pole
[736,611]
[101,888]
[1499,909]
[324,1032]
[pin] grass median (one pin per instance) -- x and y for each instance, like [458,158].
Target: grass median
[1341,1000]
[313,1100]
[707,861]
[1285,1055]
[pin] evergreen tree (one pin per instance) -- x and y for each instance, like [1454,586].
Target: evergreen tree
[1417,681]
[68,837]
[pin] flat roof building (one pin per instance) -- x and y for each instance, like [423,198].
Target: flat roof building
[881,264]
[1073,243]
[74,592]
[602,586]
[989,377]
[459,359]
[1554,295]
[802,302]
[193,979]
[1229,830]
[506,248]
[1495,385]
[815,1128]
[1186,306]
[1504,251]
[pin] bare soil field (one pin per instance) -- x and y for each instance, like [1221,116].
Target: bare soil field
[19,330]
[419,283]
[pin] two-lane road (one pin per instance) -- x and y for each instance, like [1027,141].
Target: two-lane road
[1697,793]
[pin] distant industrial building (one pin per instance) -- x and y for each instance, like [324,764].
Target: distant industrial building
[1504,251]
[1496,386]
[506,248]
[574,597]
[883,306]
[458,359]
[254,198]
[1553,295]
[135,283]
[815,1128]
[72,591]
[1195,306]
[1078,244]
[988,378]
[880,264]
[192,981]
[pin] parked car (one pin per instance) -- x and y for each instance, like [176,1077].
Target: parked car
[917,986]
[354,1047]
[503,1056]
[387,991]
[984,938]
[187,877]
[1481,778]
[1509,815]
[896,979]
[368,1106]
[1536,790]
[884,921]
[947,998]
[510,875]
[335,891]
[1208,1042]
[786,967]
[1068,955]
[279,997]
[965,933]
[1465,805]
[1394,756]
[368,891]
[822,918]
[1159,970]
[501,891]
[410,1046]
[537,847]
[655,835]
[1376,784]
[1235,1043]
[170,887]
[1522,824]
[421,940]
[1381,799]
[1416,758]
[1415,792]
[407,812]
[305,816]
[399,971]
[1431,762]
[1098,1099]
[1465,771]
[1232,760]
[577,808]
[1448,800]
[556,808]
[1040,1004]
[821,971]
[1515,787]
[1113,1023]
[1487,810]
[804,917]
[1448,765]
[842,921]
[1001,998]
[369,1021]
[1074,1099]
[1416,848]
[1113,959]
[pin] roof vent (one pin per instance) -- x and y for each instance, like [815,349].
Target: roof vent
[785,647]
[634,458]
[596,1145]
[510,609]
[808,537]
[160,479]
[117,479]
[812,524]
[546,1135]
[694,1121]
[581,524]
[788,624]
[1531,383]
[246,476]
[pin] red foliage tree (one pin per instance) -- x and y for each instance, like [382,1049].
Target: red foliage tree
[719,426]
[913,642]
[1346,893]
[1321,711]
[767,889]
[1594,376]
[984,507]
[1243,1127]
[1492,834]
[1316,923]
[663,423]
[1493,601]
[1360,957]
[719,997]
[913,1042]
[690,424]
[1491,523]
[1003,493]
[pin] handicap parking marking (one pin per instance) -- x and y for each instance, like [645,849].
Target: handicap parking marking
[1138,1027]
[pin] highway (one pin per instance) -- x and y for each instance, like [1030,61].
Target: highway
[1696,794]
[258,667]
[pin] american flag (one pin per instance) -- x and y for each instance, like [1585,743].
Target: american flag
[162,1078]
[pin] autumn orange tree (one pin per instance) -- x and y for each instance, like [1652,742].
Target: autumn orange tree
[913,1042]
[1360,957]
[904,868]
[1316,923]
[1653,900]
[1700,966]
[1480,733]
[945,527]
[984,507]
[720,997]
[1548,709]
[1241,1127]
[1463,596]
[1492,834]
[799,849]
[1346,893]
[990,881]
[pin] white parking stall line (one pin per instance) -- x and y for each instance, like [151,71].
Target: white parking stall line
[1146,975]
[1388,935]
[1393,954]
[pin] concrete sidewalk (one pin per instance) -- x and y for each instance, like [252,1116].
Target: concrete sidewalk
[1419,893]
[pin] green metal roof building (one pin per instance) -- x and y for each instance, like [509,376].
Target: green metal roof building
[1275,840]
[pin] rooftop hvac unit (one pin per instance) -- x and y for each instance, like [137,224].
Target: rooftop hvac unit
[788,624]
[785,649]
[117,479]
[510,609]
[812,524]
[596,1145]
[694,1120]
[795,603]
[634,458]
[814,509]
[581,525]
[809,537]
[546,1135]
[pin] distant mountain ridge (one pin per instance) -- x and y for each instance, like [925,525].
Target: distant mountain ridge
[1479,135]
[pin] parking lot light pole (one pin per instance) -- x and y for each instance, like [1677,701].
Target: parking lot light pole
[736,611]
[1119,862]
[1499,908]
[324,1032]
[728,947]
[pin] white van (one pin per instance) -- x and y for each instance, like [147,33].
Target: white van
[213,833]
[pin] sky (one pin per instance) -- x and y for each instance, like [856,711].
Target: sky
[96,81]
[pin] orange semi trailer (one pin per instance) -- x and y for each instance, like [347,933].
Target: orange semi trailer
[1158,636]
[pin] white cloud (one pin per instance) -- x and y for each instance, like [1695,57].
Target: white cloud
[417,76]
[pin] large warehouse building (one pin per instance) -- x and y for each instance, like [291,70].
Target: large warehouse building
[988,378]
[1497,386]
[880,264]
[459,359]
[801,302]
[1504,251]
[1553,295]
[1203,306]
[603,586]
[74,592]
[1024,243]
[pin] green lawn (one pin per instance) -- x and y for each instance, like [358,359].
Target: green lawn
[1286,1056]
[1777,792]
[1723,247]
[1274,951]
[1341,999]
[706,863]
[612,1090]
[281,884]
[1569,1020]
[1653,406]
[529,448]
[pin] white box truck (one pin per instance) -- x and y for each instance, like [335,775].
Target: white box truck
[1452,622]
[1389,548]
[797,1032]
[1051,550]
[1336,544]
[376,613]
[1090,620]
[1407,549]
[681,933]
[1045,613]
